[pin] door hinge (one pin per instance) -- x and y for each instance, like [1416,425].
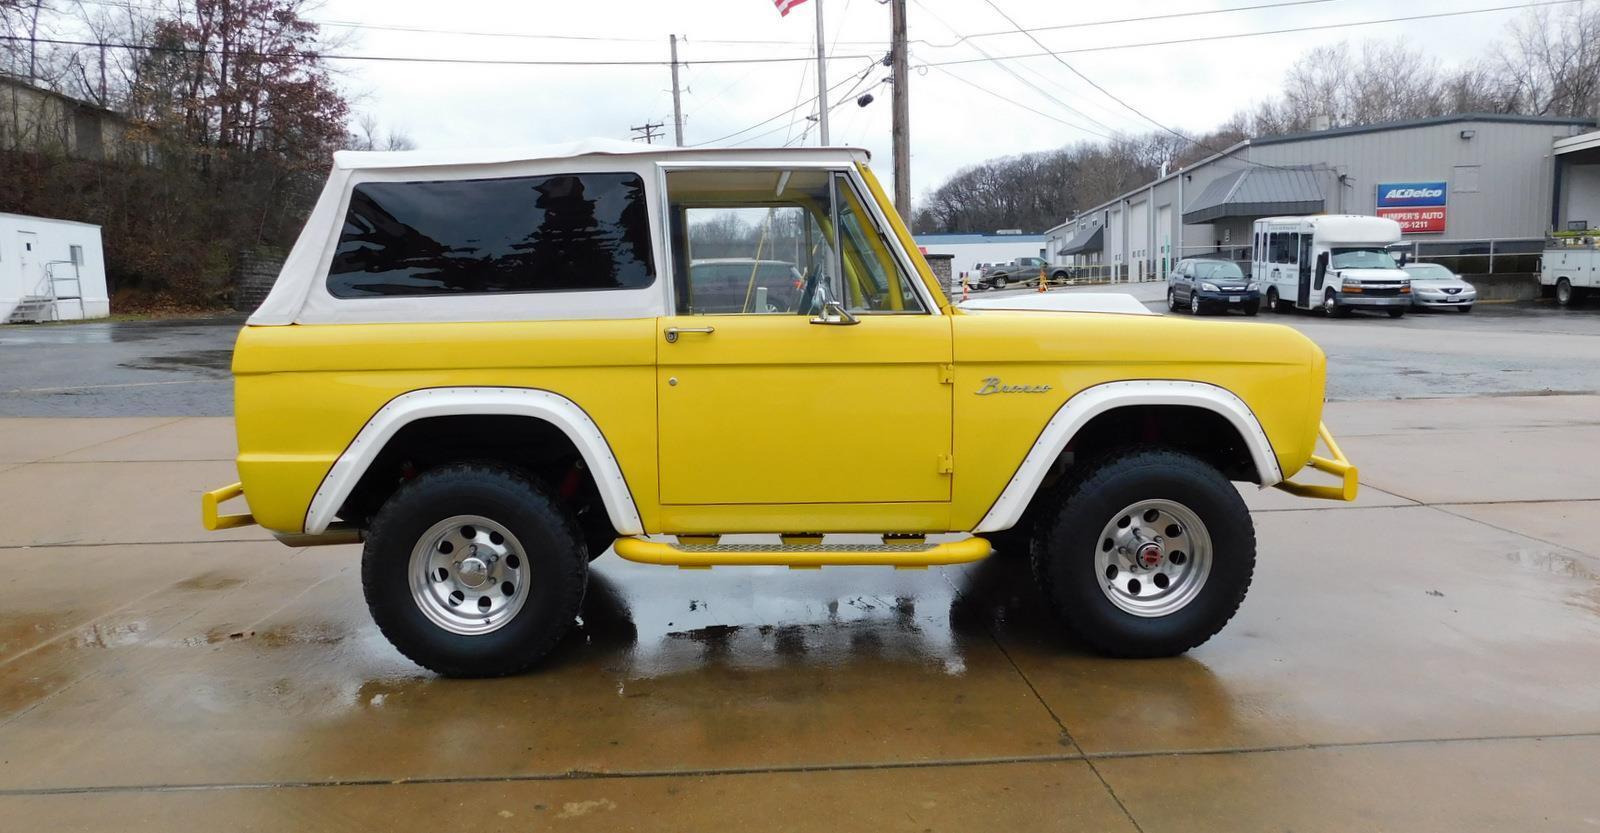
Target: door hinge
[947,464]
[947,374]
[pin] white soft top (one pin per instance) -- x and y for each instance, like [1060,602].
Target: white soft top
[300,296]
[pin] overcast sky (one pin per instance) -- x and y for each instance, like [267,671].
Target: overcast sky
[1189,86]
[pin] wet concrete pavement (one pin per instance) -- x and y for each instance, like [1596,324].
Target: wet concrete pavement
[1426,659]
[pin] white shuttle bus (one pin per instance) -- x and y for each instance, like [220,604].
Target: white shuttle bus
[1337,263]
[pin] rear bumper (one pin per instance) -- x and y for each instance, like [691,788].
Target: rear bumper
[211,501]
[1335,464]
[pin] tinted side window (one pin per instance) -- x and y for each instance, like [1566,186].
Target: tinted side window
[523,234]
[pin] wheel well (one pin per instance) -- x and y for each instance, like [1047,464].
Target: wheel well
[1191,429]
[529,444]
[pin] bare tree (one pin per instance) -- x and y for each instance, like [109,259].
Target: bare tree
[1550,62]
[369,136]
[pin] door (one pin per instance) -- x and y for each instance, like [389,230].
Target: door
[30,275]
[793,403]
[1304,245]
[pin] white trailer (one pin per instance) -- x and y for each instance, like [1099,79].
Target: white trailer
[1572,266]
[1334,262]
[50,270]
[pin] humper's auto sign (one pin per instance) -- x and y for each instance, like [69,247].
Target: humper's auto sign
[1419,207]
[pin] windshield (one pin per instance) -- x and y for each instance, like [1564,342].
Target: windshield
[1362,257]
[1217,269]
[1428,271]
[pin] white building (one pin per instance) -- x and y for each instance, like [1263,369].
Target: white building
[971,249]
[50,270]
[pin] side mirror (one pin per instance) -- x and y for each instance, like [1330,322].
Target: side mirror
[834,312]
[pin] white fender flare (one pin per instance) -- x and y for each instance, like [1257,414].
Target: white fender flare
[1091,402]
[407,408]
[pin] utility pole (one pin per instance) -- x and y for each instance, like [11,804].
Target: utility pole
[677,104]
[901,130]
[648,132]
[822,77]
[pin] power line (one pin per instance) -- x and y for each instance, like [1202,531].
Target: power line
[420,59]
[395,27]
[774,118]
[990,92]
[1202,38]
[1014,74]
[736,61]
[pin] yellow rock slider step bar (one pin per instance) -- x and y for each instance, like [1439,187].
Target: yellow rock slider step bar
[904,554]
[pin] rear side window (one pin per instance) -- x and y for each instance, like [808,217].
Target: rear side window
[524,234]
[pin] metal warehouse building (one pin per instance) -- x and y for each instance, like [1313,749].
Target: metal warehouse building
[1482,189]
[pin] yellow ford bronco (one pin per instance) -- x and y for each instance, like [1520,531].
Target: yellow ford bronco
[492,368]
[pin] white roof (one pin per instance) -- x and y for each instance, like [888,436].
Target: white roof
[354,160]
[1348,228]
[33,219]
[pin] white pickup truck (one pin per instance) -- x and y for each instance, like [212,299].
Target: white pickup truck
[1571,265]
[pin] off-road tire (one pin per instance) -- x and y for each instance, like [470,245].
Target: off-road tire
[555,553]
[1068,535]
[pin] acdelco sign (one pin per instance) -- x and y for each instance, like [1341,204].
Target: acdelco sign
[1419,207]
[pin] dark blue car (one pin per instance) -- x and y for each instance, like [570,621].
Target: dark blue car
[1200,285]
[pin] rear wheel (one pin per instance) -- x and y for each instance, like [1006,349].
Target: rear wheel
[1467,308]
[999,282]
[1566,296]
[473,570]
[1395,313]
[1149,554]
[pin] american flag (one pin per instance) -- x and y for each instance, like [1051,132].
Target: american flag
[785,5]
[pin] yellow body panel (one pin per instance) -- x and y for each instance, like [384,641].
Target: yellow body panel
[773,409]
[769,423]
[1275,370]
[301,393]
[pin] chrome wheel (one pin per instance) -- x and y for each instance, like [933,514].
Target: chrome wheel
[469,575]
[1153,558]
[1194,303]
[1329,304]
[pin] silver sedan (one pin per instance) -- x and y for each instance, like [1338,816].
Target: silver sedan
[1433,286]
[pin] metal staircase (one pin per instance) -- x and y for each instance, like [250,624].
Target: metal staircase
[45,303]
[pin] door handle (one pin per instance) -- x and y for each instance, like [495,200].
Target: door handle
[672,332]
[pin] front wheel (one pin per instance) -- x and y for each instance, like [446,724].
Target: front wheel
[473,570]
[1396,313]
[1172,300]
[1194,304]
[1467,308]
[1149,554]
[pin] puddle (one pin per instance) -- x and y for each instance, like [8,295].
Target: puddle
[218,361]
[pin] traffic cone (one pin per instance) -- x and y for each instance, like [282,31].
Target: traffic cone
[1041,279]
[963,286]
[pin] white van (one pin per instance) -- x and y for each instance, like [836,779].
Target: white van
[1334,262]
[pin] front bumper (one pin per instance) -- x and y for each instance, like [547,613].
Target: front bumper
[1233,299]
[1335,464]
[1460,300]
[1361,301]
